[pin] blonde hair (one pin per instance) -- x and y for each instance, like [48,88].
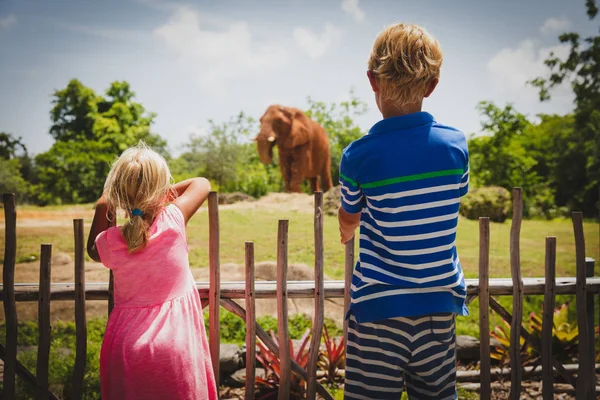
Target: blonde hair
[405,59]
[138,179]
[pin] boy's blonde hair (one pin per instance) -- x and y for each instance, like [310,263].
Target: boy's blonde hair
[405,59]
[138,180]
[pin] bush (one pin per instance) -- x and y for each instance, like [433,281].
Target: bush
[492,201]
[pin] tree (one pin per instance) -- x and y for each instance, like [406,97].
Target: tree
[582,70]
[338,121]
[228,158]
[90,131]
[11,147]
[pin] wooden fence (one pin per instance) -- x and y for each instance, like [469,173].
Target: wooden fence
[216,294]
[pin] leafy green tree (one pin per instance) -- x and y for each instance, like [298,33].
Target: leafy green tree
[227,156]
[90,131]
[11,147]
[15,166]
[338,121]
[582,70]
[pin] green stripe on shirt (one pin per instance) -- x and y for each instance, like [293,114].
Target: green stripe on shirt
[348,179]
[409,178]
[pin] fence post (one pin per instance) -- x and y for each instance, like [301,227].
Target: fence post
[484,306]
[318,318]
[80,319]
[43,354]
[250,322]
[282,311]
[548,320]
[214,296]
[10,307]
[584,377]
[349,270]
[515,269]
[589,273]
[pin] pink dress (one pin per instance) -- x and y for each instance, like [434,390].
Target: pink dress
[155,344]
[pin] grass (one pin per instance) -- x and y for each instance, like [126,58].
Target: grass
[260,226]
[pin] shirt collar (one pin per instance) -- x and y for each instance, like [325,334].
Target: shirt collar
[402,122]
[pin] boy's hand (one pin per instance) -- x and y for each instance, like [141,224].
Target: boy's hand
[348,224]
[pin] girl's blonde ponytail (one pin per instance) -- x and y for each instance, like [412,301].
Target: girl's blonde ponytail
[135,233]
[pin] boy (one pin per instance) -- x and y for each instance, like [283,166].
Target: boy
[402,184]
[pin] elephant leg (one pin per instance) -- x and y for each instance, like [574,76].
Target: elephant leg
[314,184]
[285,173]
[326,182]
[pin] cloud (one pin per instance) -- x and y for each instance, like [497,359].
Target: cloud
[317,45]
[217,50]
[511,68]
[8,21]
[555,25]
[352,8]
[109,33]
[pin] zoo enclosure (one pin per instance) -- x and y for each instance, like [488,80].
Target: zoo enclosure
[216,294]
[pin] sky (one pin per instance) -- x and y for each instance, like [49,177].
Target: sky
[198,60]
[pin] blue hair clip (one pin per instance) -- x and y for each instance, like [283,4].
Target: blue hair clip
[136,211]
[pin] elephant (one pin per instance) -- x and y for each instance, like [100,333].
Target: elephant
[303,148]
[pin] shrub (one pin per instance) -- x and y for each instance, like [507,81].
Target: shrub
[492,201]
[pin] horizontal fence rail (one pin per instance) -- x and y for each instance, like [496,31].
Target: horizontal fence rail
[333,289]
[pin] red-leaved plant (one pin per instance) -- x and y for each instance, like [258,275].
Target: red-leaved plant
[333,357]
[267,386]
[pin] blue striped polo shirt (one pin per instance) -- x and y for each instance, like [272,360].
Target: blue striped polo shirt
[406,178]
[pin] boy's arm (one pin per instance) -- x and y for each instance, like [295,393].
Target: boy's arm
[103,219]
[352,199]
[348,224]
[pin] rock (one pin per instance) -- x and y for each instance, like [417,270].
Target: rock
[467,348]
[61,259]
[235,197]
[331,200]
[238,378]
[231,359]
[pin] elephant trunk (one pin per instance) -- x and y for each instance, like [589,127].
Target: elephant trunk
[265,145]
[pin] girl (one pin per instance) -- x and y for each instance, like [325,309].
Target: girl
[155,344]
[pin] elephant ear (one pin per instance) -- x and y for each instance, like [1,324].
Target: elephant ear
[299,131]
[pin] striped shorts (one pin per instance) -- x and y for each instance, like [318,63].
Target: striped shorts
[384,356]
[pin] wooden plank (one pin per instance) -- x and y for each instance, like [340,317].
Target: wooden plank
[214,295]
[548,320]
[319,313]
[111,292]
[348,271]
[502,373]
[63,291]
[236,309]
[515,270]
[532,341]
[8,298]
[585,344]
[484,307]
[43,355]
[80,317]
[282,311]
[251,322]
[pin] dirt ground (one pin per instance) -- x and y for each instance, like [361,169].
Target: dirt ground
[62,264]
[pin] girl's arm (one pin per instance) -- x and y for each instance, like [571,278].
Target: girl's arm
[191,194]
[103,219]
